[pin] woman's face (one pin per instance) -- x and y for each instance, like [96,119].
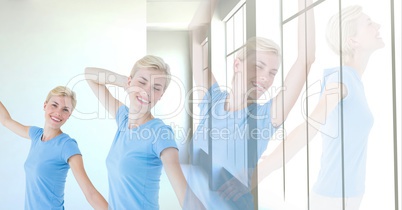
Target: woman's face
[146,87]
[262,68]
[367,37]
[57,111]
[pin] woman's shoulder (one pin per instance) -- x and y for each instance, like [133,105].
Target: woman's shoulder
[123,109]
[64,138]
[35,133]
[345,75]
[157,123]
[336,71]
[216,92]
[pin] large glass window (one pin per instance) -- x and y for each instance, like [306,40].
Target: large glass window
[235,38]
[295,186]
[352,155]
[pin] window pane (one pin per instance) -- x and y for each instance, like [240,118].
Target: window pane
[239,29]
[229,36]
[205,55]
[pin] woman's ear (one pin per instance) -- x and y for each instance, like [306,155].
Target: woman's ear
[128,81]
[44,105]
[237,65]
[353,43]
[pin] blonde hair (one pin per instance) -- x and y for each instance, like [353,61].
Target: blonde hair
[259,44]
[63,91]
[348,26]
[155,63]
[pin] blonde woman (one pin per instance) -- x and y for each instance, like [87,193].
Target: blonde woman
[231,114]
[143,144]
[52,154]
[342,116]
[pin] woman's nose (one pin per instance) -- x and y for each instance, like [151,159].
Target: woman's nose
[145,91]
[262,75]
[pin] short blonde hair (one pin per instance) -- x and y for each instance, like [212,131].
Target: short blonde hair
[259,44]
[63,91]
[348,26]
[155,63]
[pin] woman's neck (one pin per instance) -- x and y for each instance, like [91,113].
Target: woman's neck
[49,133]
[358,62]
[136,119]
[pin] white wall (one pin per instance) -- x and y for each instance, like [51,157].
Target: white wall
[173,47]
[48,43]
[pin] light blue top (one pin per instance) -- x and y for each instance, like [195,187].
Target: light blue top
[357,122]
[229,133]
[253,122]
[46,170]
[134,165]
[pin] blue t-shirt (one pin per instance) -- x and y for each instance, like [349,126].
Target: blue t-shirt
[134,165]
[357,122]
[232,129]
[228,133]
[46,170]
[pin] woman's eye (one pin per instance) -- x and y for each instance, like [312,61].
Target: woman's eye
[157,89]
[54,105]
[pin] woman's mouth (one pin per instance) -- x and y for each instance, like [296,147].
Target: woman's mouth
[55,119]
[142,100]
[258,86]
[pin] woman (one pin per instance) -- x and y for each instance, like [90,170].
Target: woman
[342,116]
[52,153]
[143,143]
[231,114]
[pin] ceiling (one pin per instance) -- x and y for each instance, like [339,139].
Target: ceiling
[170,14]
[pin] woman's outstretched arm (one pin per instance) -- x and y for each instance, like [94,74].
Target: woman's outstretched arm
[170,160]
[14,126]
[91,194]
[295,79]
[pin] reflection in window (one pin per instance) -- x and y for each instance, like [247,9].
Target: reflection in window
[235,39]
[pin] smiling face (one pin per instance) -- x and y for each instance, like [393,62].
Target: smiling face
[261,69]
[146,87]
[367,37]
[57,111]
[359,34]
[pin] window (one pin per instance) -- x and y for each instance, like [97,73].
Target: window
[295,184]
[235,39]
